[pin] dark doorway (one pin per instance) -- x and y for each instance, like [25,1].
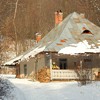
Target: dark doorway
[63,63]
[25,69]
[17,70]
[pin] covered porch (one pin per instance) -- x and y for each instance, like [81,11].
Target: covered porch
[74,67]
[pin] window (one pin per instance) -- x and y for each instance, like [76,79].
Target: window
[75,64]
[86,32]
[63,63]
[87,62]
[47,59]
[25,69]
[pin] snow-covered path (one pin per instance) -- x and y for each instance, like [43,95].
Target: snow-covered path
[57,90]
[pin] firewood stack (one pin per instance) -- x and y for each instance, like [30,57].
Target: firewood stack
[44,75]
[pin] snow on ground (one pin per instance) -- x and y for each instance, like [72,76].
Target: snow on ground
[56,90]
[24,89]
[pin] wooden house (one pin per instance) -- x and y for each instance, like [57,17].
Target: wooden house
[74,44]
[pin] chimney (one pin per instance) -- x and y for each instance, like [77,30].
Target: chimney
[58,17]
[82,15]
[83,28]
[38,37]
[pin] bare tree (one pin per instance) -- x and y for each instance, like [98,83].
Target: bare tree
[21,19]
[15,29]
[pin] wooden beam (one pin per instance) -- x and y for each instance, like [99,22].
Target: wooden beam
[51,65]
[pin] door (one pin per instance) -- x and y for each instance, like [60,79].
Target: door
[25,69]
[63,63]
[17,70]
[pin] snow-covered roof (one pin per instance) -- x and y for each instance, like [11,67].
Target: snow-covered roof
[69,37]
[69,34]
[13,61]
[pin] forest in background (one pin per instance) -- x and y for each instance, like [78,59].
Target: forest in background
[21,19]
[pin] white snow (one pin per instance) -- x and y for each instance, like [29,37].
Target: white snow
[24,89]
[11,62]
[7,76]
[33,52]
[8,91]
[25,56]
[55,90]
[80,47]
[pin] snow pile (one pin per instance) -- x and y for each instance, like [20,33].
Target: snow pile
[5,89]
[8,90]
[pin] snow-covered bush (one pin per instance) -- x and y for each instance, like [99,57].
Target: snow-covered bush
[5,89]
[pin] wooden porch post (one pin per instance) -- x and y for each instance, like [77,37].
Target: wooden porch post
[17,70]
[51,65]
[36,62]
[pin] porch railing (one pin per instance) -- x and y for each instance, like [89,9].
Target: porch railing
[64,74]
[71,74]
